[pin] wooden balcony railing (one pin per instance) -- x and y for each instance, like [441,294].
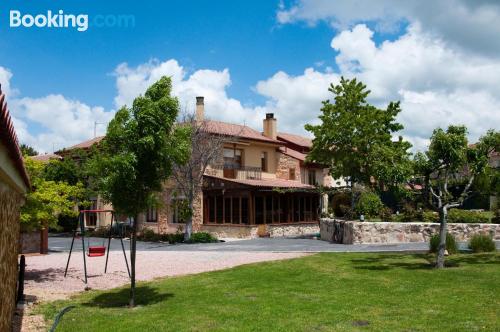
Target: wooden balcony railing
[236,172]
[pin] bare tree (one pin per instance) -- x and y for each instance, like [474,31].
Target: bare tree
[205,149]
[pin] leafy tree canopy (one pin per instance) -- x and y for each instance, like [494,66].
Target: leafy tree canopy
[355,139]
[137,154]
[48,199]
[27,150]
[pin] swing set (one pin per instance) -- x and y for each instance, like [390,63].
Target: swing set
[88,219]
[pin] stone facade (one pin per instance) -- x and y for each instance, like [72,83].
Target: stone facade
[10,203]
[165,223]
[355,232]
[251,231]
[284,164]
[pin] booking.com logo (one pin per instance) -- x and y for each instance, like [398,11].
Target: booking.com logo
[59,19]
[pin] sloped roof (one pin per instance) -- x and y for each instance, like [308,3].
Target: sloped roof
[45,158]
[268,183]
[229,129]
[85,144]
[292,153]
[296,139]
[9,138]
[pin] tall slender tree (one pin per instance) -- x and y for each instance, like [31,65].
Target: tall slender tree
[450,160]
[137,156]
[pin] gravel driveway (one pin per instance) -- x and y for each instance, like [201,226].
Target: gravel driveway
[45,273]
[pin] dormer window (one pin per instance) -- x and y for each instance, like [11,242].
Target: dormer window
[291,173]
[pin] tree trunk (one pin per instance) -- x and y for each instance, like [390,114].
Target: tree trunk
[443,216]
[188,231]
[132,262]
[353,198]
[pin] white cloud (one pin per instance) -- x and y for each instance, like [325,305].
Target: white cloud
[5,76]
[54,121]
[437,85]
[65,121]
[211,84]
[296,100]
[472,25]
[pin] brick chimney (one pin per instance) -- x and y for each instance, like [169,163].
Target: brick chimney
[270,126]
[200,109]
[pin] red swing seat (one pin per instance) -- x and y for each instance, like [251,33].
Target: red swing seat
[96,251]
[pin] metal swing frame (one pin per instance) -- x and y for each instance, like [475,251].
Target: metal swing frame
[81,227]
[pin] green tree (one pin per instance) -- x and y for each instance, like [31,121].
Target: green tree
[48,199]
[27,150]
[450,160]
[354,138]
[64,170]
[137,155]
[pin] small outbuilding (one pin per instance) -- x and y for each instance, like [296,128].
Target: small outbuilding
[14,183]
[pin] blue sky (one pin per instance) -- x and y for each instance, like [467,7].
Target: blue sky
[251,57]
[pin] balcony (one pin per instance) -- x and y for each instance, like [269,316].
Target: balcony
[235,172]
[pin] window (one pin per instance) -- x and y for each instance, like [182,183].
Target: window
[263,161]
[311,177]
[291,173]
[92,216]
[233,158]
[179,207]
[152,215]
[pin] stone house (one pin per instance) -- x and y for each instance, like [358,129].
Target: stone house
[14,184]
[262,182]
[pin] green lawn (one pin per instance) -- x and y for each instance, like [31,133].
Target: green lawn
[324,292]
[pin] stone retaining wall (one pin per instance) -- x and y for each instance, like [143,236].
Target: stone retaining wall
[355,232]
[250,231]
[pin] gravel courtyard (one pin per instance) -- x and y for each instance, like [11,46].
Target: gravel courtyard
[45,273]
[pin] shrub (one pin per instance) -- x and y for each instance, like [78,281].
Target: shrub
[451,244]
[467,216]
[340,203]
[430,216]
[172,238]
[149,235]
[100,232]
[202,237]
[369,204]
[385,214]
[482,243]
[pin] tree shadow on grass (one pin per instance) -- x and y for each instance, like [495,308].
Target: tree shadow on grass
[144,295]
[386,262]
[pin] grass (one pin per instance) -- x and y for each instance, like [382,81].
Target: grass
[324,292]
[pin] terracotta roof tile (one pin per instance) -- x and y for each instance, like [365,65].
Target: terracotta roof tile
[296,139]
[45,158]
[86,144]
[229,129]
[268,183]
[292,153]
[9,139]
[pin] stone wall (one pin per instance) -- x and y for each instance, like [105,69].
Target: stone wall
[30,243]
[10,203]
[284,163]
[355,232]
[250,231]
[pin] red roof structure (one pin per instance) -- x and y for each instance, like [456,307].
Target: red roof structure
[9,139]
[298,140]
[86,144]
[268,183]
[240,131]
[45,158]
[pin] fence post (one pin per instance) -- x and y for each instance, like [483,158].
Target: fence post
[20,285]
